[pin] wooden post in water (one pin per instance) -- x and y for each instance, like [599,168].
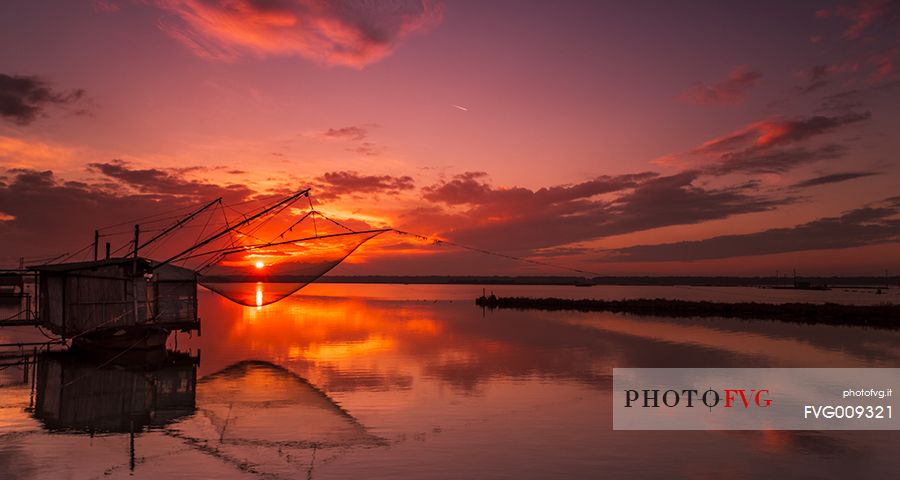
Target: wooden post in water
[96,243]
[107,250]
[137,236]
[34,357]
[131,447]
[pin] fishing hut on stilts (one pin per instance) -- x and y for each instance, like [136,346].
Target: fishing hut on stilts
[134,301]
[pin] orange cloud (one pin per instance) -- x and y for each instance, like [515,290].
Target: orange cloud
[352,34]
[771,132]
[19,153]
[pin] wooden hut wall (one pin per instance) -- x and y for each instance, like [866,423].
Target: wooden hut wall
[176,297]
[51,298]
[103,297]
[95,296]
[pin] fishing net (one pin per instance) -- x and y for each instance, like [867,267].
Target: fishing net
[257,275]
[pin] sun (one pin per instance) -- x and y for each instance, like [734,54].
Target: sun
[260,264]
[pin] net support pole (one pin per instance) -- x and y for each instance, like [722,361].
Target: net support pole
[234,227]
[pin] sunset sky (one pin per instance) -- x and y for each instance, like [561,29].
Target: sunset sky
[708,138]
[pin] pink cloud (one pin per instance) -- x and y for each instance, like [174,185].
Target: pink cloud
[863,15]
[105,6]
[774,132]
[345,33]
[730,91]
[884,65]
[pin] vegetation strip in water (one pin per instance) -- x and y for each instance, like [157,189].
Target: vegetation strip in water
[877,316]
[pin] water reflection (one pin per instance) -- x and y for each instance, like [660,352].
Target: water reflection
[352,344]
[353,384]
[259,404]
[112,392]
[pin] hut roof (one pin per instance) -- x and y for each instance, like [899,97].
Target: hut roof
[143,264]
[74,266]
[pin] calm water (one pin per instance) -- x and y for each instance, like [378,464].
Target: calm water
[374,381]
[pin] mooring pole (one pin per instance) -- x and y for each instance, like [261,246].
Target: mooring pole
[107,250]
[34,357]
[131,448]
[134,262]
[137,236]
[96,243]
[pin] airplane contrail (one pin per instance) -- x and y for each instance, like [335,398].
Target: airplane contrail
[461,108]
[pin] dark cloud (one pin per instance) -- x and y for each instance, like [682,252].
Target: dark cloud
[730,91]
[775,145]
[350,33]
[472,188]
[347,133]
[771,133]
[815,78]
[833,178]
[53,216]
[864,226]
[820,76]
[519,219]
[848,100]
[675,200]
[367,149]
[169,181]
[335,184]
[754,160]
[23,98]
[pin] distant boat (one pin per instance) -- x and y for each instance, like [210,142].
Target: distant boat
[803,285]
[11,288]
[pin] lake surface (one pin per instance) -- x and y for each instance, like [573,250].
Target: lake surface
[415,381]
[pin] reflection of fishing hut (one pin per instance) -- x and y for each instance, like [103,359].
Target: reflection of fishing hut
[122,302]
[76,391]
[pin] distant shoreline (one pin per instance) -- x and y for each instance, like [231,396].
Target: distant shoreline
[700,281]
[886,316]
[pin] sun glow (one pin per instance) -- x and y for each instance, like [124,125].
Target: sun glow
[260,264]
